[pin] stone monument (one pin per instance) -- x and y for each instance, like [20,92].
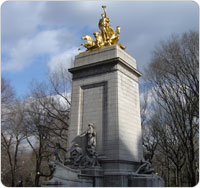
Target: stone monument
[105,135]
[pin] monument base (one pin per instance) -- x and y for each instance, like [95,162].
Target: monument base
[129,179]
[64,176]
[144,180]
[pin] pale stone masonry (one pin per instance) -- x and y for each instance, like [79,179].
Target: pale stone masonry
[105,92]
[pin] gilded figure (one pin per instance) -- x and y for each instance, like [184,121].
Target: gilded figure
[106,37]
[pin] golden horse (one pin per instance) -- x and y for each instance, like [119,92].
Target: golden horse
[92,44]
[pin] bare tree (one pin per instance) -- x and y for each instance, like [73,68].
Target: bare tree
[54,99]
[47,119]
[173,76]
[7,92]
[37,135]
[150,138]
[168,143]
[12,134]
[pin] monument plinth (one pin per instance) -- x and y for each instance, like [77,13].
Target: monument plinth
[105,136]
[105,92]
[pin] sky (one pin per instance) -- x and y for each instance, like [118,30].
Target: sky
[37,37]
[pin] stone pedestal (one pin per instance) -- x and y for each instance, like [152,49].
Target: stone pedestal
[105,92]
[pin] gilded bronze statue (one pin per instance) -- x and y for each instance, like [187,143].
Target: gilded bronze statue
[107,36]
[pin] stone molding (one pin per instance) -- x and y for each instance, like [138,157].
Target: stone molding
[103,54]
[103,67]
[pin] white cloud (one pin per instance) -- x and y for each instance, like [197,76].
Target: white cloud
[24,52]
[62,60]
[19,20]
[27,49]
[25,36]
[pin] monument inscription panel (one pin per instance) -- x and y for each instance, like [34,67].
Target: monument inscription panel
[93,109]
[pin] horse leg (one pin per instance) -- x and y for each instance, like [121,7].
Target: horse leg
[80,46]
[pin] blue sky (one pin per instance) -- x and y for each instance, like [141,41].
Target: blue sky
[39,36]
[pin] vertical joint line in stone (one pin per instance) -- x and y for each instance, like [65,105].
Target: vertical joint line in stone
[80,116]
[117,104]
[105,103]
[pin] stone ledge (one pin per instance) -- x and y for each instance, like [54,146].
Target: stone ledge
[102,67]
[102,55]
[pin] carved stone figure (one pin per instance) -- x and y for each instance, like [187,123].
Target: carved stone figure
[90,133]
[86,156]
[87,162]
[57,153]
[145,168]
[76,155]
[52,165]
[95,161]
[146,164]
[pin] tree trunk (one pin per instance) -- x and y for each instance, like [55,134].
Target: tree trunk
[178,180]
[13,179]
[168,174]
[193,174]
[37,179]
[37,172]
